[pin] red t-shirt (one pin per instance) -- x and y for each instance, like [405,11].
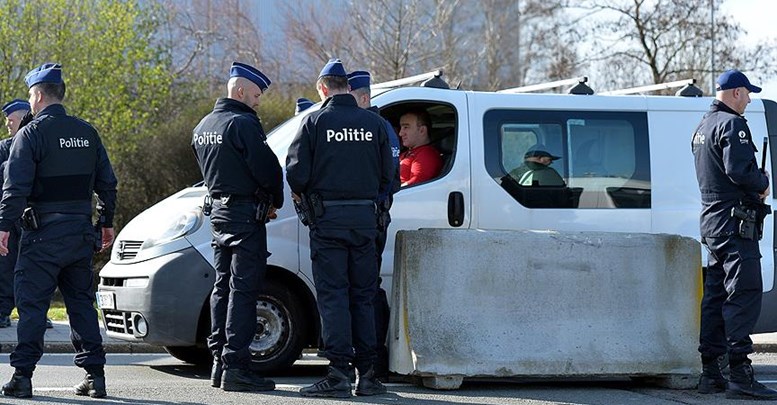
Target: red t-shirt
[419,164]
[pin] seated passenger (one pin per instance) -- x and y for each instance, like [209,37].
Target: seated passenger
[421,161]
[536,170]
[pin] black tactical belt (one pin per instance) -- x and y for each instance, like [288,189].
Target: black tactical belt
[332,203]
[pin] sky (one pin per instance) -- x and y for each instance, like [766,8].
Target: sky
[757,18]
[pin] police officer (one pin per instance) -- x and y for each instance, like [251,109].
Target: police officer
[730,182]
[359,81]
[14,111]
[245,182]
[17,115]
[57,162]
[338,163]
[302,105]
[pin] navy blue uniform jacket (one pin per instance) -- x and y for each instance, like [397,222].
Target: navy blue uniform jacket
[726,168]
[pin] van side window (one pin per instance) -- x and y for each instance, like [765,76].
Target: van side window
[440,137]
[570,159]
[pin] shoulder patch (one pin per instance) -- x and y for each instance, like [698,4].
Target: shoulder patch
[742,134]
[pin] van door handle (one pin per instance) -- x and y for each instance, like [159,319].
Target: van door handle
[456,209]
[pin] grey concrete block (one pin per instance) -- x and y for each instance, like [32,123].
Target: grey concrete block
[524,303]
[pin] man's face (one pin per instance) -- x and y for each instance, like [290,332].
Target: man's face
[13,120]
[411,132]
[35,99]
[742,97]
[251,95]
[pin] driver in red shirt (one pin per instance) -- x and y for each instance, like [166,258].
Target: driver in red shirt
[421,161]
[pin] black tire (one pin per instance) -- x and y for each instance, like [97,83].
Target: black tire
[280,331]
[191,354]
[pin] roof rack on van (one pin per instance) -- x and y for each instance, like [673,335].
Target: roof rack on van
[688,89]
[580,86]
[409,80]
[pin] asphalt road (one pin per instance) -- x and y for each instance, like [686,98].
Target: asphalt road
[161,380]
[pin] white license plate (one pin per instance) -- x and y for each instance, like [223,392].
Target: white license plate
[106,300]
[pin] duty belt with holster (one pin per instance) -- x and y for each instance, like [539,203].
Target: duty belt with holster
[751,217]
[262,200]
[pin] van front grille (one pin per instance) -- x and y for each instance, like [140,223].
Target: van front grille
[128,249]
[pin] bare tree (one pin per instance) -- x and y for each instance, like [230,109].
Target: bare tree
[669,40]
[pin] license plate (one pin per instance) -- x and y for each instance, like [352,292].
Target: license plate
[106,300]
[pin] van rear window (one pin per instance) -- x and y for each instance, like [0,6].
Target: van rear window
[570,159]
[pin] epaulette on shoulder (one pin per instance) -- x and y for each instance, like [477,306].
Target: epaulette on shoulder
[83,121]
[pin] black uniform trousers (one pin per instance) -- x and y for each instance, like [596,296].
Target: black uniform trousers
[7,265]
[380,303]
[342,250]
[58,254]
[240,256]
[732,296]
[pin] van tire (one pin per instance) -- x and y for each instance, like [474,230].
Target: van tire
[281,328]
[191,354]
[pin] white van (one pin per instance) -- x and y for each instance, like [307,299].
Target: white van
[626,162]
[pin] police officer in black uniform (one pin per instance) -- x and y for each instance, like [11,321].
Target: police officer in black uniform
[337,165]
[245,182]
[731,185]
[14,111]
[56,164]
[359,81]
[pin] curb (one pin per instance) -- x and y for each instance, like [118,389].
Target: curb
[110,347]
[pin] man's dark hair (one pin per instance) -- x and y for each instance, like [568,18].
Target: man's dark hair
[52,90]
[422,116]
[335,83]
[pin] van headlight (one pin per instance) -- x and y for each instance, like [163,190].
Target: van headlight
[185,224]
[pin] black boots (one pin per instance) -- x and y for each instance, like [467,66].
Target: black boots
[215,373]
[92,385]
[711,380]
[19,387]
[335,385]
[743,385]
[244,380]
[369,384]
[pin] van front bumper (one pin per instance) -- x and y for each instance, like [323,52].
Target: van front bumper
[178,286]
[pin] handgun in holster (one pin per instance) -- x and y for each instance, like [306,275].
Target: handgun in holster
[207,205]
[384,218]
[30,219]
[98,227]
[750,220]
[263,206]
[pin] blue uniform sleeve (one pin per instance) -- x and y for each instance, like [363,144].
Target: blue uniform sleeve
[262,162]
[386,163]
[299,161]
[105,184]
[738,157]
[19,177]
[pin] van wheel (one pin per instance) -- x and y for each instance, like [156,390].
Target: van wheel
[281,326]
[191,354]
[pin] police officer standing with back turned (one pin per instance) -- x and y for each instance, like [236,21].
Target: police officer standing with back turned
[359,81]
[732,190]
[338,164]
[245,182]
[56,164]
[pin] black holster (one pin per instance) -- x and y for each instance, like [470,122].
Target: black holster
[751,218]
[30,219]
[263,206]
[384,218]
[309,207]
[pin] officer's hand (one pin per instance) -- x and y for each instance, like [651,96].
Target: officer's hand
[108,235]
[272,214]
[3,243]
[295,197]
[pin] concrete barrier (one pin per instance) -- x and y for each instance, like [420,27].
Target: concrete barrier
[469,303]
